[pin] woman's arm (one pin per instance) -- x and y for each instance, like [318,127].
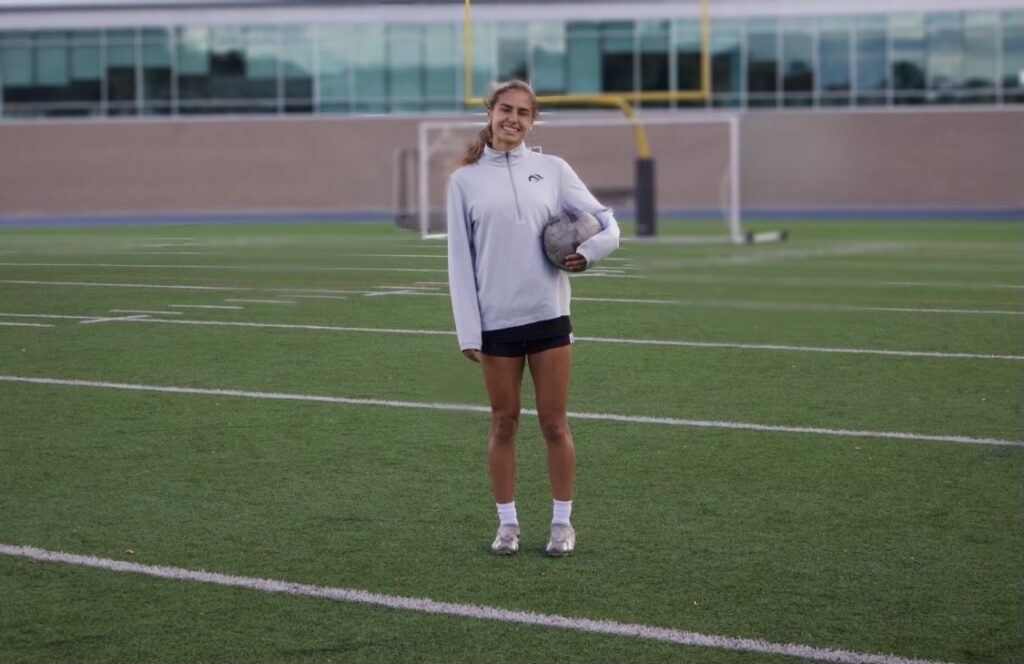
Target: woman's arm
[461,272]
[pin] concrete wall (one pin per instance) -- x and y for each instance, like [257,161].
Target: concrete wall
[790,160]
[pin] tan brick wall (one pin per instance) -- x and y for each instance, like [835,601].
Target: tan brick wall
[789,160]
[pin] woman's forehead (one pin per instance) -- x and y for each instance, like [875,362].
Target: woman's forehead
[516,98]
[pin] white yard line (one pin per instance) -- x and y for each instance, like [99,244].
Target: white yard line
[117,285]
[206,306]
[7,324]
[470,408]
[145,311]
[113,319]
[610,340]
[795,306]
[235,299]
[472,611]
[826,282]
[246,268]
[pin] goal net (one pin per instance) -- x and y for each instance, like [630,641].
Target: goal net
[696,167]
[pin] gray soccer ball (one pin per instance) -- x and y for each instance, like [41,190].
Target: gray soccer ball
[565,233]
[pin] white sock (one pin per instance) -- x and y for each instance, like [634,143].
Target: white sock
[561,512]
[507,514]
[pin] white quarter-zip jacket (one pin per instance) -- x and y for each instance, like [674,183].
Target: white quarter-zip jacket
[497,208]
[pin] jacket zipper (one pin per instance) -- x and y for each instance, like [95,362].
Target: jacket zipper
[515,192]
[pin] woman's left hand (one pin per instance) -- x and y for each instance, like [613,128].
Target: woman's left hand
[575,262]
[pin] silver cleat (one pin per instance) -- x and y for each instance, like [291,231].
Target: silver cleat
[563,540]
[507,541]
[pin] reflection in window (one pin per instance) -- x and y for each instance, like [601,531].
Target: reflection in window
[907,33]
[584,58]
[687,48]
[944,62]
[512,52]
[617,56]
[798,62]
[333,81]
[368,51]
[726,63]
[980,56]
[297,68]
[654,58]
[871,59]
[121,88]
[404,79]
[440,58]
[1013,57]
[157,57]
[834,62]
[550,45]
[762,64]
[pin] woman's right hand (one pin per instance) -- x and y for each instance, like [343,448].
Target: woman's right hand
[472,353]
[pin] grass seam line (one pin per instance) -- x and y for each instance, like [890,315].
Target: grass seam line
[472,611]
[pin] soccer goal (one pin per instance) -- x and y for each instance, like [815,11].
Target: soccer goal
[697,159]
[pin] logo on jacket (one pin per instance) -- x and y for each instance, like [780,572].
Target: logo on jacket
[535,177]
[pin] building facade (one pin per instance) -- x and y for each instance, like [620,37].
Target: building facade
[149,108]
[68,59]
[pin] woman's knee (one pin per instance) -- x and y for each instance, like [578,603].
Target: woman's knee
[504,425]
[556,432]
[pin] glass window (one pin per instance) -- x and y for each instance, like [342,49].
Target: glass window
[654,58]
[980,56]
[17,67]
[617,56]
[909,72]
[584,40]
[442,72]
[297,67]
[834,62]
[687,53]
[512,48]
[944,61]
[1013,57]
[727,82]
[157,58]
[871,60]
[549,45]
[369,61]
[121,81]
[334,71]
[193,69]
[798,62]
[52,66]
[762,63]
[405,74]
[484,65]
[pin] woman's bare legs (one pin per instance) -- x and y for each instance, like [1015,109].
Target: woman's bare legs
[504,379]
[550,370]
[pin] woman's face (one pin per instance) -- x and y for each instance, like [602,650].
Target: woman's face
[511,119]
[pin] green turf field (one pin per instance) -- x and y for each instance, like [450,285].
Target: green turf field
[815,443]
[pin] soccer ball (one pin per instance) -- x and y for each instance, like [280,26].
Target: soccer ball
[565,233]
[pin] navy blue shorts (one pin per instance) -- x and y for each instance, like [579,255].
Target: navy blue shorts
[523,340]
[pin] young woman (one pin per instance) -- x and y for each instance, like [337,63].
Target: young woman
[511,305]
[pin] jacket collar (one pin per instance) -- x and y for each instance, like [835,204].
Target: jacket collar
[498,157]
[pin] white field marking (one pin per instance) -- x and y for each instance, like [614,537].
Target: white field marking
[472,611]
[767,256]
[470,408]
[250,268]
[8,315]
[919,266]
[415,287]
[113,285]
[796,306]
[322,297]
[825,282]
[144,311]
[6,324]
[235,299]
[113,319]
[206,306]
[163,253]
[607,340]
[324,291]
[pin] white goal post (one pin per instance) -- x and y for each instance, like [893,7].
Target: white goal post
[697,156]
